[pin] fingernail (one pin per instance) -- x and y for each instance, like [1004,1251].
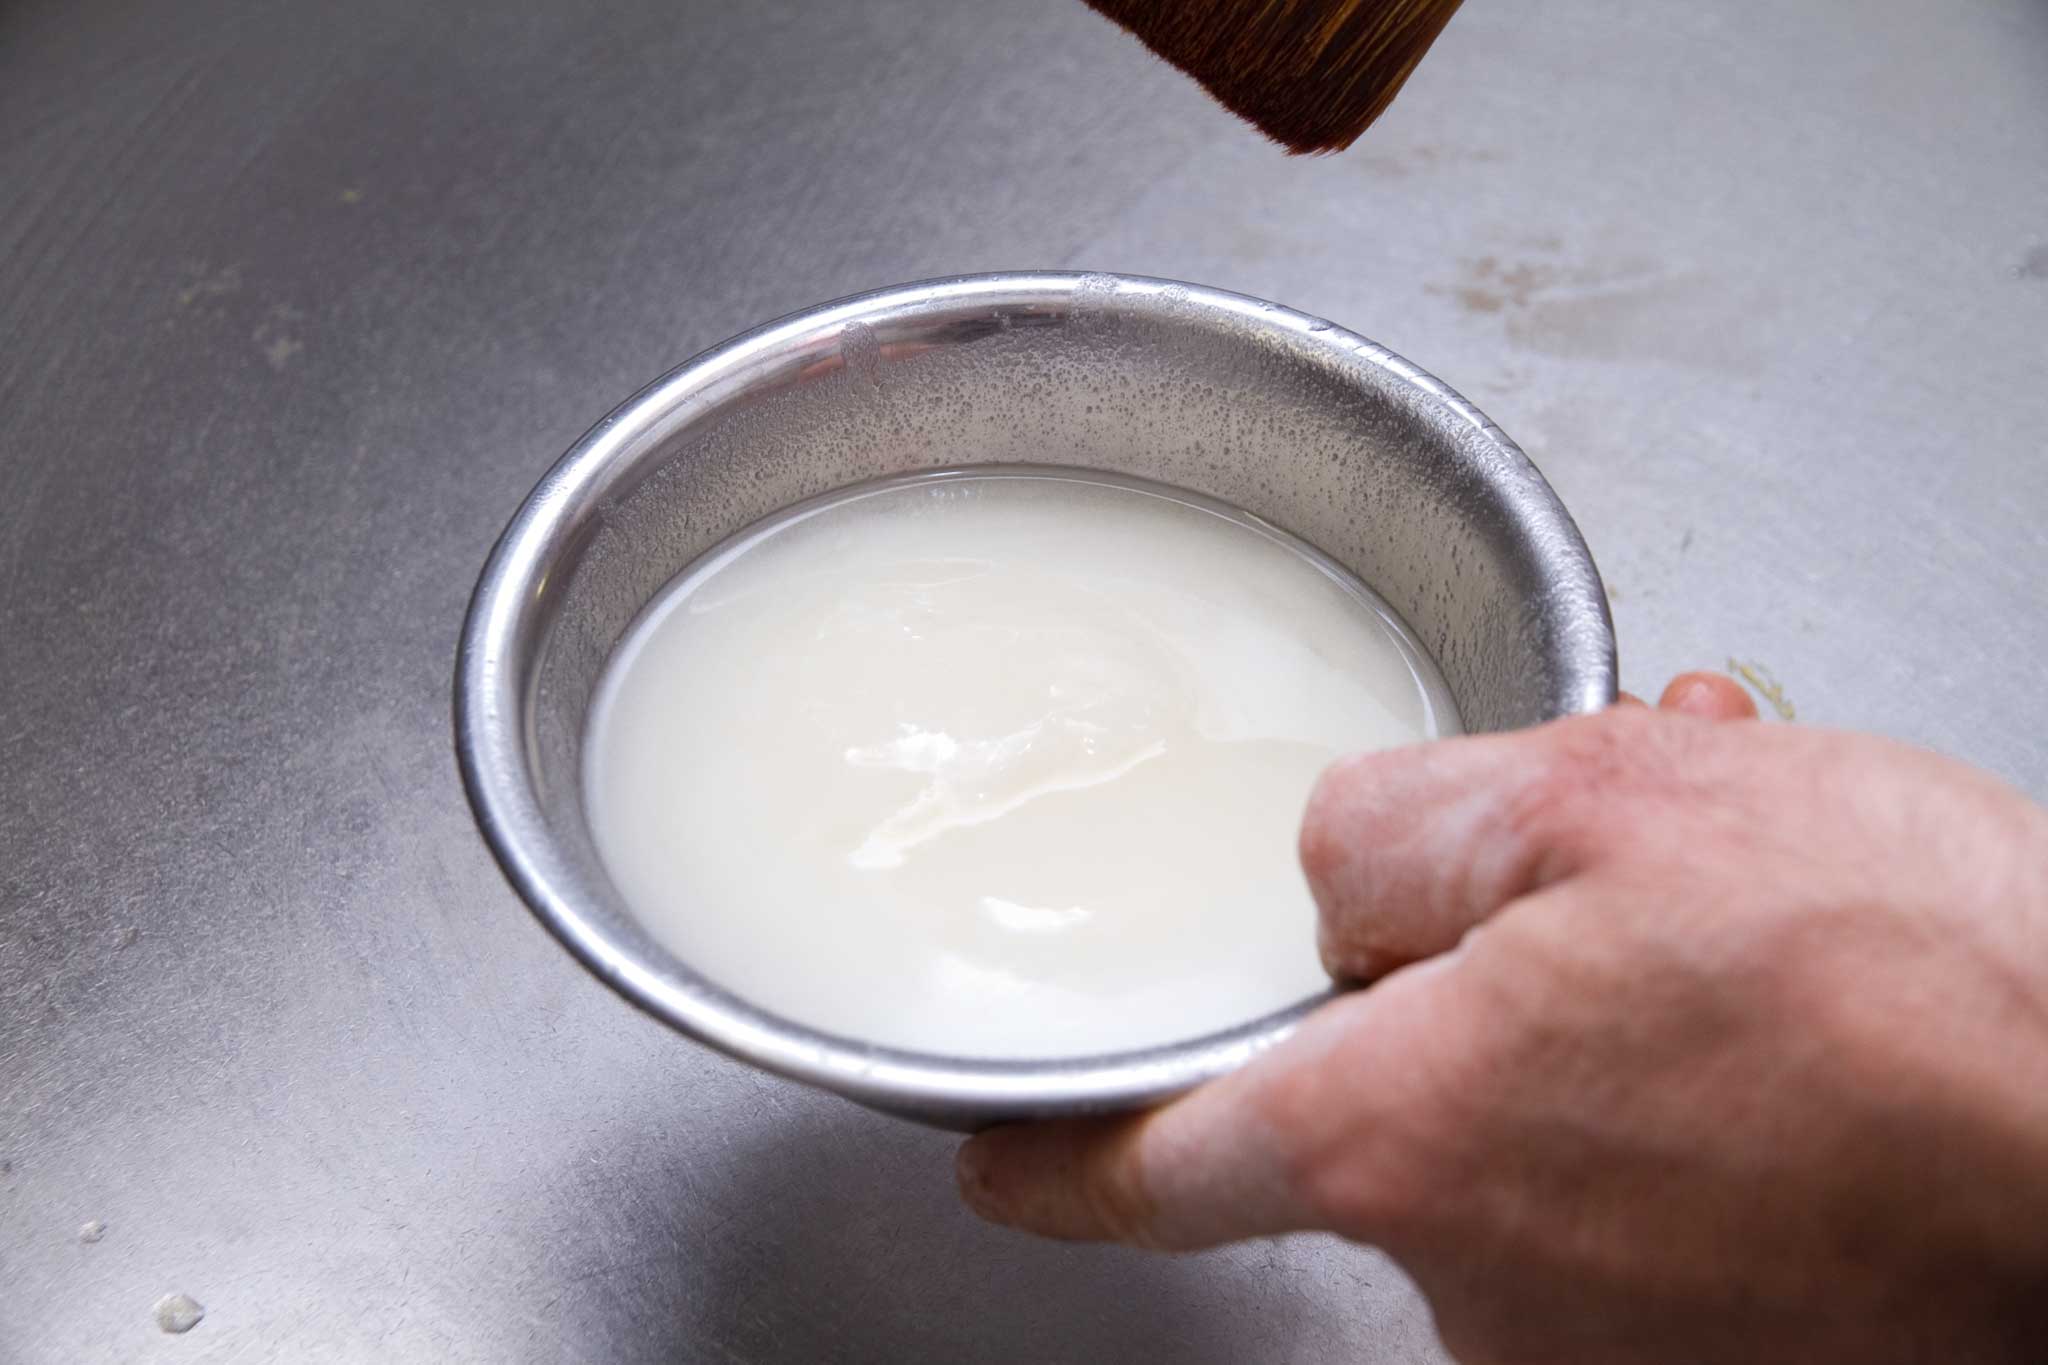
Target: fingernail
[1326,949]
[971,1171]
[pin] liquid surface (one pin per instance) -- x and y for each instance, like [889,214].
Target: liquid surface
[994,765]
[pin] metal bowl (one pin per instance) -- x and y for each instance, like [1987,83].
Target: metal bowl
[1311,427]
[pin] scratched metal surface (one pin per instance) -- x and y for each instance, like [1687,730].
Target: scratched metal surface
[297,300]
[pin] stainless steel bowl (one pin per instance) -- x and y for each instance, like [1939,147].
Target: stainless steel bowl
[1302,423]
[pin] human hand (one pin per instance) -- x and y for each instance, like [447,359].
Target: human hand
[1688,1041]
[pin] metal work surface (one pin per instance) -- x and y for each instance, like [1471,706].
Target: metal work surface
[296,303]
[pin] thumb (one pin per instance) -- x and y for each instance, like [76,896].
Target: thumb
[1244,1155]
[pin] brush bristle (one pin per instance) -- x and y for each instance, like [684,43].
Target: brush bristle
[1310,74]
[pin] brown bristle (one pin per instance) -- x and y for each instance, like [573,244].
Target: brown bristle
[1310,74]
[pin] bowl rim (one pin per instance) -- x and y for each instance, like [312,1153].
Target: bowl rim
[492,738]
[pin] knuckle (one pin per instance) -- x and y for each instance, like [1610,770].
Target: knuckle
[1114,1192]
[1321,851]
[1603,752]
[1343,833]
[1604,772]
[1331,820]
[1378,1175]
[1377,1190]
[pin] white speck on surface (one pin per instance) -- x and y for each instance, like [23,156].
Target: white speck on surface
[92,1231]
[202,283]
[178,1313]
[278,350]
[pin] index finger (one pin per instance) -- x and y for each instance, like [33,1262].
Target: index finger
[1406,850]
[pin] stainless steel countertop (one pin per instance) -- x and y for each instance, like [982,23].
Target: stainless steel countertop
[297,301]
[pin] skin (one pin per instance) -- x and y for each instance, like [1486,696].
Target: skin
[1687,1038]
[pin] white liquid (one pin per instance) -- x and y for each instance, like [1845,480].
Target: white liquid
[994,765]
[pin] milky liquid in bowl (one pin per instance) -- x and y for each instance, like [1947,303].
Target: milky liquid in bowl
[999,763]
